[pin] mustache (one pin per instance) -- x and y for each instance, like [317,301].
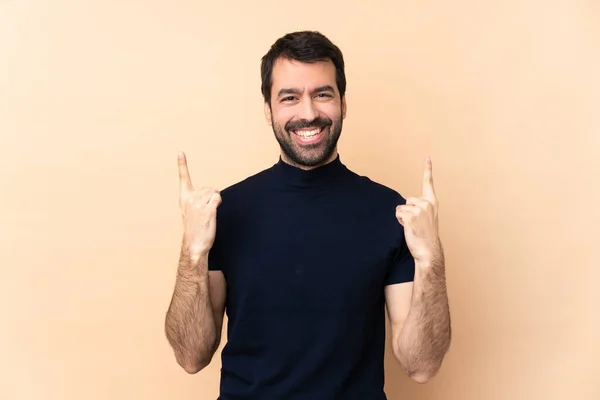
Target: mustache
[318,122]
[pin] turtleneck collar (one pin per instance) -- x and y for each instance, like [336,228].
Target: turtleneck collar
[330,173]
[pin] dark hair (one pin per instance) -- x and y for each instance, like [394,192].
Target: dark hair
[303,46]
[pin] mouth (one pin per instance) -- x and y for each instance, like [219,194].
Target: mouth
[309,135]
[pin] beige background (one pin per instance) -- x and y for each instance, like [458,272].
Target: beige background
[96,97]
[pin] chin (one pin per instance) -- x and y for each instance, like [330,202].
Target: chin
[308,155]
[310,158]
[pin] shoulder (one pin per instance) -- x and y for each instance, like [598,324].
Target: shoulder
[250,183]
[377,191]
[237,195]
[379,202]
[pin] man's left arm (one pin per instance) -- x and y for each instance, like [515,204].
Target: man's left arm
[419,311]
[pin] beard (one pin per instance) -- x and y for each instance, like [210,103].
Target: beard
[310,155]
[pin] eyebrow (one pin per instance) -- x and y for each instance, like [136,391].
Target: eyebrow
[323,88]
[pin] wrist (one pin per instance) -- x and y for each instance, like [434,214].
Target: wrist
[434,263]
[429,271]
[193,275]
[195,249]
[423,264]
[193,264]
[433,258]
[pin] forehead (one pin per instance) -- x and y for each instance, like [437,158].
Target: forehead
[295,74]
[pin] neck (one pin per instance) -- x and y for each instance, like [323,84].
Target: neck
[327,174]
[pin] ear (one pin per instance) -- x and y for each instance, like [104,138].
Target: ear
[344,107]
[268,113]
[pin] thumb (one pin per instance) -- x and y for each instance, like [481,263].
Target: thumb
[215,199]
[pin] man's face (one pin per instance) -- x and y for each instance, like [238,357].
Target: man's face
[306,111]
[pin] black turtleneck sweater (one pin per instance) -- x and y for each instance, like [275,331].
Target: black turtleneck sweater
[306,255]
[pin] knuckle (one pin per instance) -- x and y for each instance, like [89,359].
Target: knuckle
[197,196]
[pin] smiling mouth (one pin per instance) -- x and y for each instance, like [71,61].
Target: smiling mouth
[308,133]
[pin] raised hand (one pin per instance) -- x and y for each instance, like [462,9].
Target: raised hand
[419,217]
[199,212]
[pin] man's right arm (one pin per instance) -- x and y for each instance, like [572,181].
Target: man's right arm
[194,319]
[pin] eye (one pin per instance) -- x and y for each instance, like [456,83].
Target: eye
[324,95]
[289,98]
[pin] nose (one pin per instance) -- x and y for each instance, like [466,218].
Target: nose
[307,110]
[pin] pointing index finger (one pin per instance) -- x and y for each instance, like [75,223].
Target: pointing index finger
[185,183]
[428,190]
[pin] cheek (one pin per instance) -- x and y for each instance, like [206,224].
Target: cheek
[282,117]
[332,111]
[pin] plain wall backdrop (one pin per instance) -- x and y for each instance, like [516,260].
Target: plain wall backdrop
[97,97]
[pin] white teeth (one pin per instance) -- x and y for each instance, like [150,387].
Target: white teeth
[308,133]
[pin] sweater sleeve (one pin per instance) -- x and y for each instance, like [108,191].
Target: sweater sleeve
[402,265]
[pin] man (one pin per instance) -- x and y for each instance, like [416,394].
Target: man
[307,256]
